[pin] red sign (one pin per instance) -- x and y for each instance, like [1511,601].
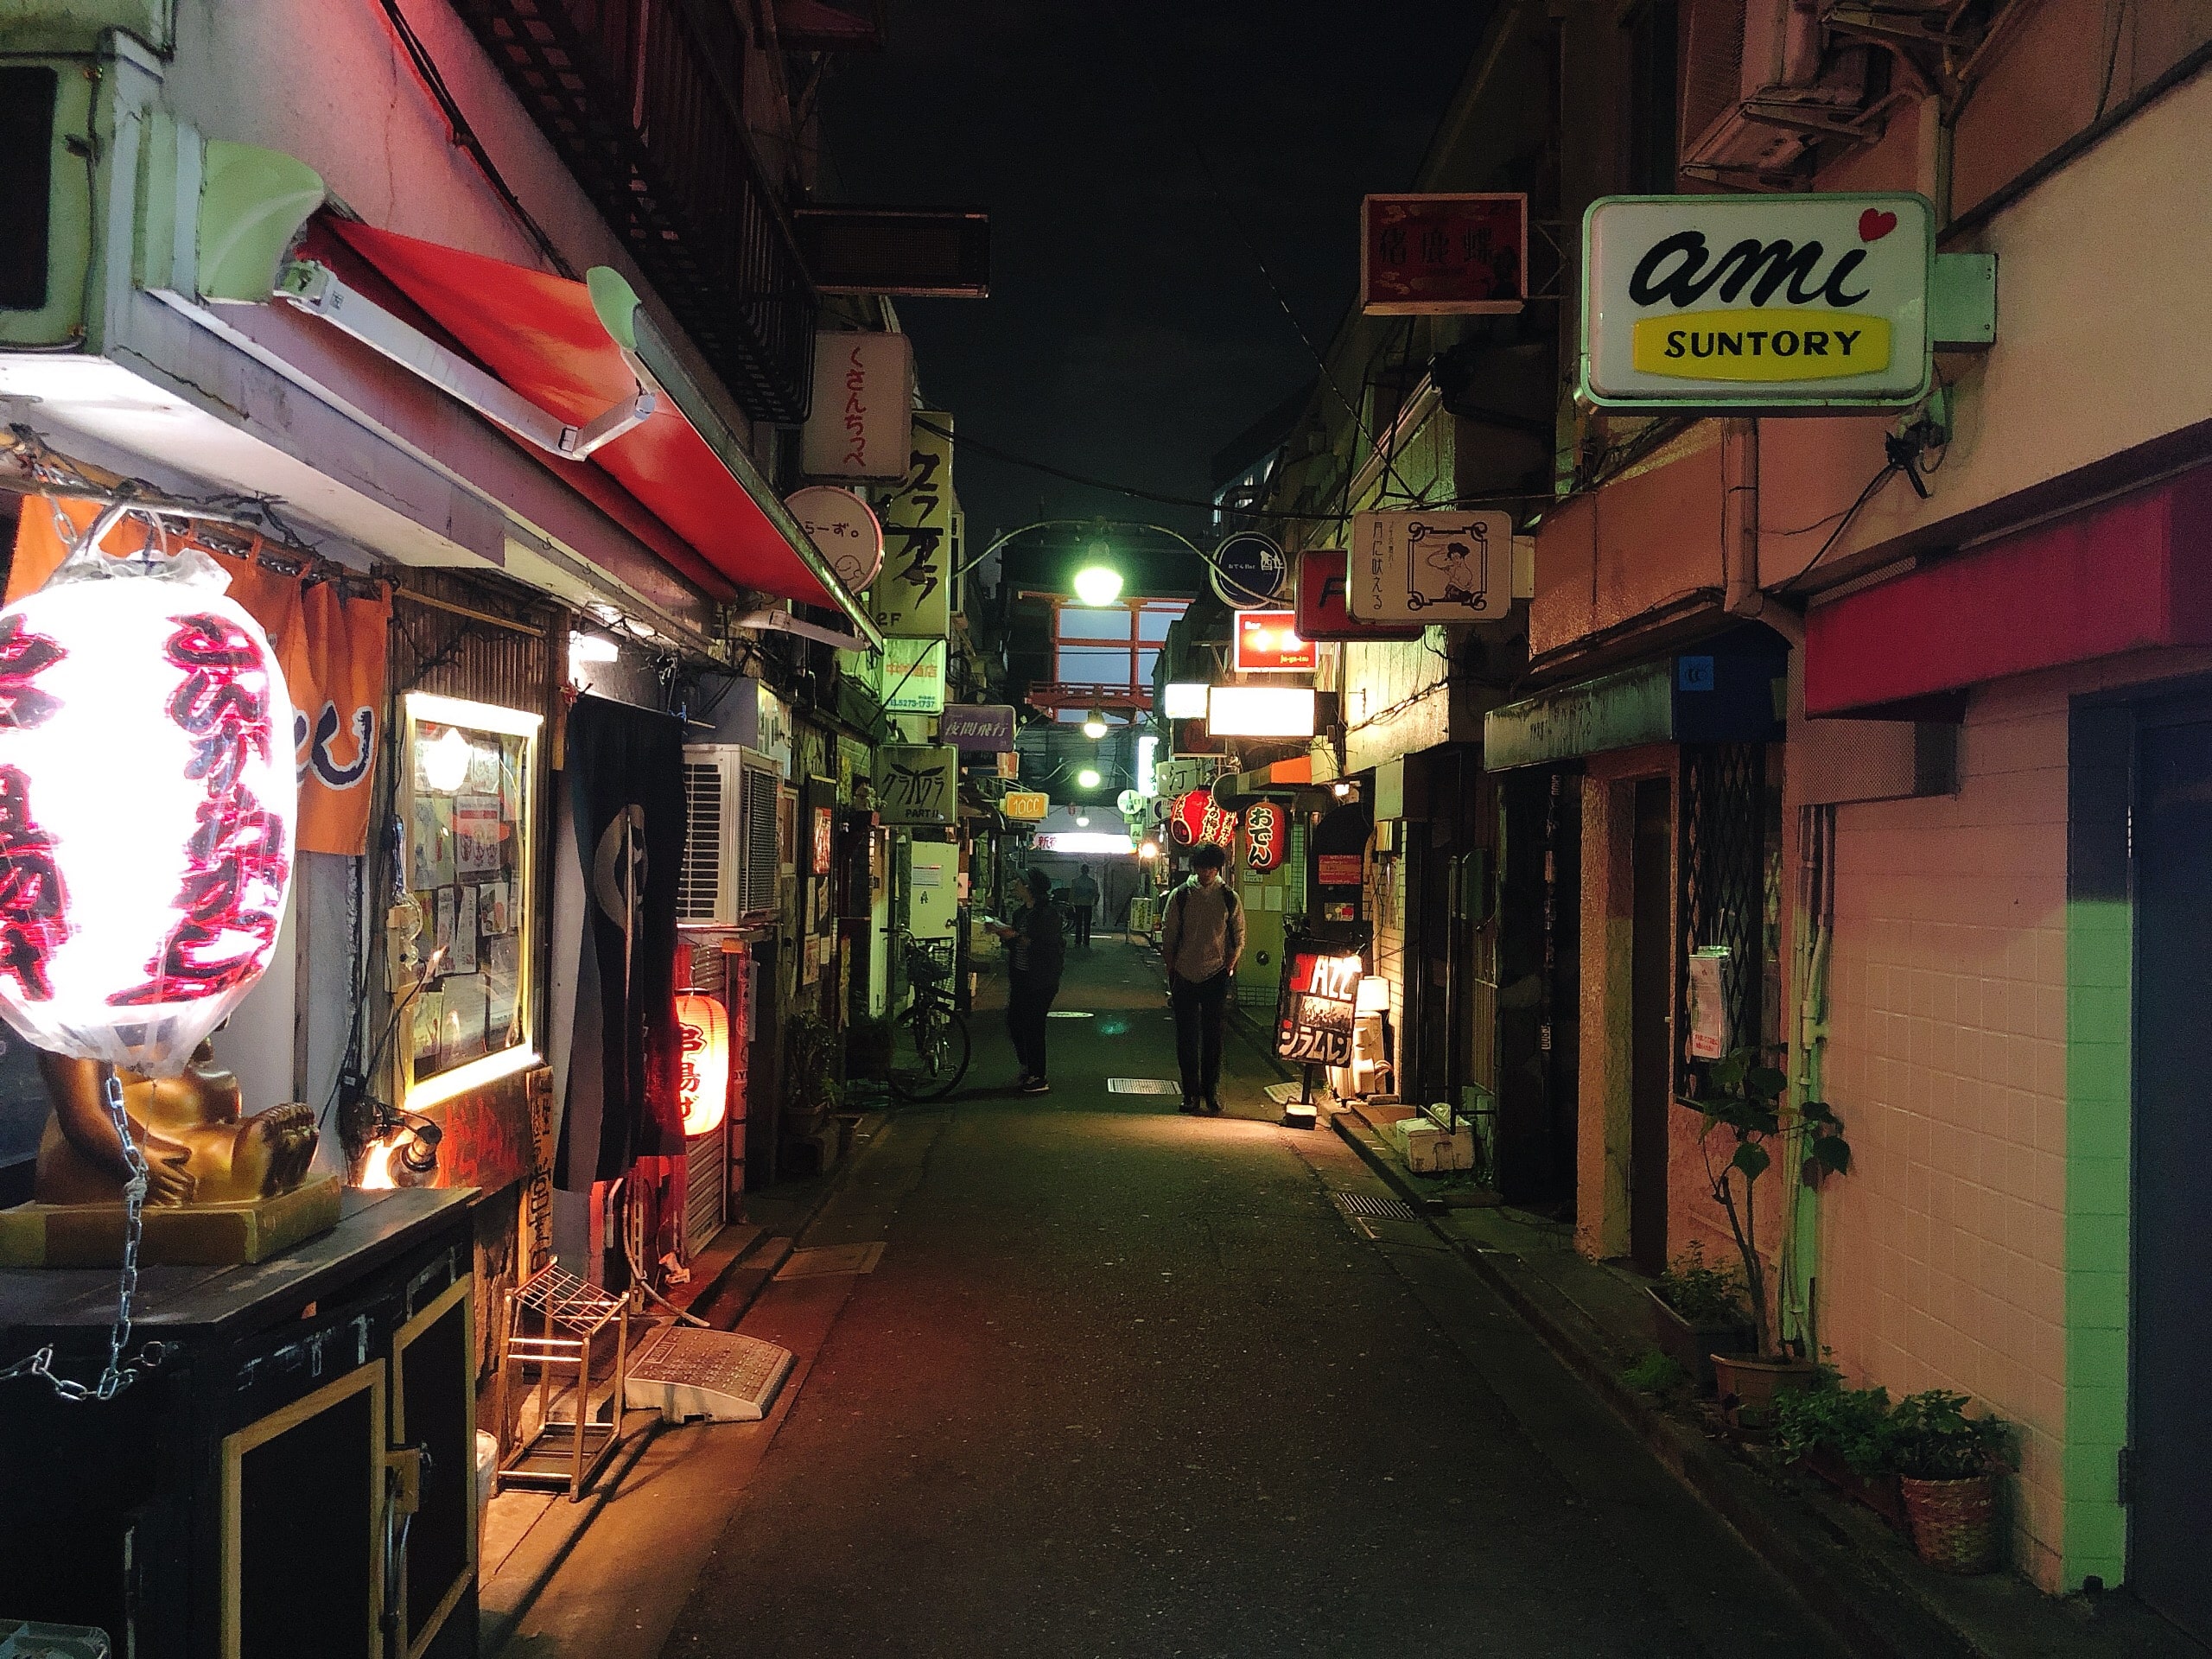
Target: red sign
[1321,613]
[1443,255]
[1267,642]
[1196,821]
[1264,836]
[1338,870]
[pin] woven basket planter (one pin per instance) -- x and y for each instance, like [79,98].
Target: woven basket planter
[1953,1521]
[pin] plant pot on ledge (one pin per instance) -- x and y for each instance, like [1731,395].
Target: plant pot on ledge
[1748,1384]
[1953,1521]
[1692,1345]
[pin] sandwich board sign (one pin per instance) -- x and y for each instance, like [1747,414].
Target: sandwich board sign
[1768,302]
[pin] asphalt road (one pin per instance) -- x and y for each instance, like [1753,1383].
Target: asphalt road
[1129,1383]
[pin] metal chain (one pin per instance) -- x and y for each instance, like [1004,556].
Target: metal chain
[116,1375]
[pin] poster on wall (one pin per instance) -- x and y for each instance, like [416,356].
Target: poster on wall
[1314,1012]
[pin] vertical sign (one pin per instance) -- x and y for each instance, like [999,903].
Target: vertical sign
[535,1246]
[860,422]
[912,597]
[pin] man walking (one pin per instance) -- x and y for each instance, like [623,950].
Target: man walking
[1201,936]
[1035,956]
[1083,899]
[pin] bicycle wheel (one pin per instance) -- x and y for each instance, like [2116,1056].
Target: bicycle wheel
[932,1055]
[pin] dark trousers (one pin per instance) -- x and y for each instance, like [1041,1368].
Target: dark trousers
[1029,1000]
[1200,1007]
[1083,924]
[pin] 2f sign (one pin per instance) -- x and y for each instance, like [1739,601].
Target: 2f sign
[1772,302]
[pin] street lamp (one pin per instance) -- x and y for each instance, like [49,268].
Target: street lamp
[1094,724]
[1097,585]
[1087,778]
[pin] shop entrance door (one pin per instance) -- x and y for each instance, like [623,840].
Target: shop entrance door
[1651,1002]
[2169,1463]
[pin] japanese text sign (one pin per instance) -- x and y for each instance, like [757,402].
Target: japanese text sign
[978,728]
[1265,837]
[1431,565]
[1323,584]
[912,597]
[916,783]
[912,676]
[860,423]
[1268,643]
[1443,255]
[1757,301]
[844,528]
[1314,1016]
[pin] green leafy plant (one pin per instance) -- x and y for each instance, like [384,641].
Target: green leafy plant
[1852,1423]
[1655,1373]
[1928,1436]
[1743,1097]
[1710,1298]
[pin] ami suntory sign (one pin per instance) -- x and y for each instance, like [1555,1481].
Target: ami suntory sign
[1771,301]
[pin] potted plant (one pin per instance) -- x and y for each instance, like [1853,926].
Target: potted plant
[1843,1436]
[1947,1465]
[1696,1308]
[1743,1097]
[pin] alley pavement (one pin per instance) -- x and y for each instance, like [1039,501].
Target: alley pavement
[1131,1382]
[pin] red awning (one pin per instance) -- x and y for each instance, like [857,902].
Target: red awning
[540,336]
[2128,575]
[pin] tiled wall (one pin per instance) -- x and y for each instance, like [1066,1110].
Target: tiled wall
[1943,1256]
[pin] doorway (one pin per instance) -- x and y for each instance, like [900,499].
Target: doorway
[1651,1002]
[2169,1463]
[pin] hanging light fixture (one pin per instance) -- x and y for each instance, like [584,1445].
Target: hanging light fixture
[147,799]
[703,1083]
[1087,778]
[1094,724]
[1097,584]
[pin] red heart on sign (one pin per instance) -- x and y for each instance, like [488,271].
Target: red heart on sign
[1874,225]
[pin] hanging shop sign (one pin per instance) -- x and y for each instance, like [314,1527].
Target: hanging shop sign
[1443,255]
[146,805]
[1249,570]
[703,1077]
[1431,565]
[1265,835]
[1184,773]
[1322,586]
[861,420]
[844,528]
[1186,700]
[978,728]
[1767,302]
[1025,806]
[1267,642]
[1129,802]
[1260,711]
[912,597]
[912,676]
[1314,1009]
[1195,821]
[917,783]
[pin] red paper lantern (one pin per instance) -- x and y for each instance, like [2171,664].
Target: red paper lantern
[1263,836]
[1197,820]
[147,797]
[703,1084]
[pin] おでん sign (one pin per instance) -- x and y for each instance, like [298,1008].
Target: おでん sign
[1757,301]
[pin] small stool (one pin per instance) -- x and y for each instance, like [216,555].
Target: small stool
[552,1319]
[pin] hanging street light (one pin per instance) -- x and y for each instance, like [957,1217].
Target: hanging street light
[1087,778]
[1097,584]
[1094,724]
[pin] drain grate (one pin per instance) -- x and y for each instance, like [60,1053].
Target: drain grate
[823,1261]
[1364,1203]
[1069,1013]
[1143,1086]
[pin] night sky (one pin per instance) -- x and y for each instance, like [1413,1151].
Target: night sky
[1130,333]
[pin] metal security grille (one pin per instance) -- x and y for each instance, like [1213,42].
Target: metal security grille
[699,880]
[1723,876]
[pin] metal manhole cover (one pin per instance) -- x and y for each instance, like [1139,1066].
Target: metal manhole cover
[1365,1203]
[1143,1086]
[824,1260]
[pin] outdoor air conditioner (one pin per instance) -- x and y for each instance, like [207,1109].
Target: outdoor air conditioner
[728,874]
[1790,90]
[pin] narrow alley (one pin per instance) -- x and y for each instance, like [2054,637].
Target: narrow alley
[1126,1381]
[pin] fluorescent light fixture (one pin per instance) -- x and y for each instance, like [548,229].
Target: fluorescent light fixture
[1260,711]
[1186,701]
[592,648]
[1083,824]
[1097,584]
[1148,750]
[1084,841]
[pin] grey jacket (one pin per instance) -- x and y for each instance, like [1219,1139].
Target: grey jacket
[1201,931]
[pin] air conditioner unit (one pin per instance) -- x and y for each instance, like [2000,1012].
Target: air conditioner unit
[1791,90]
[729,873]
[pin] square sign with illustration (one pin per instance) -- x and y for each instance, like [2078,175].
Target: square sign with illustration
[1438,564]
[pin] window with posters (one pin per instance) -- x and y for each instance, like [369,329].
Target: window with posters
[1314,1014]
[467,818]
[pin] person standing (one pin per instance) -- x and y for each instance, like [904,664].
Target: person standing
[1201,938]
[1082,901]
[1035,955]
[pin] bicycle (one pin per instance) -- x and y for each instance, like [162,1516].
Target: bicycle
[930,1046]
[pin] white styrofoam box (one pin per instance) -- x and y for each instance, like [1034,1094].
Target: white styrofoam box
[1429,1150]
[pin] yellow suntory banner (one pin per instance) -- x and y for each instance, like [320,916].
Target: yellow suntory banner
[1762,345]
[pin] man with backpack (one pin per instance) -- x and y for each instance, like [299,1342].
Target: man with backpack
[1201,936]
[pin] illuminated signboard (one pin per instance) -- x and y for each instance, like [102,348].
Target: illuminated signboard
[1186,701]
[1196,820]
[1260,711]
[1027,803]
[1268,643]
[1313,1013]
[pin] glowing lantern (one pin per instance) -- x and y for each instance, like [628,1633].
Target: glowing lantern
[147,797]
[1196,820]
[703,1085]
[1264,837]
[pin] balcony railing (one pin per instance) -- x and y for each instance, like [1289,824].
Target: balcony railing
[642,100]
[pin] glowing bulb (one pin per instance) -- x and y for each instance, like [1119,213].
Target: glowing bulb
[1340,789]
[1088,777]
[1097,584]
[1094,724]
[1150,850]
[445,761]
[1262,639]
[1083,824]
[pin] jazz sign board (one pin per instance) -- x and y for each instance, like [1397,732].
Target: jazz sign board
[1770,303]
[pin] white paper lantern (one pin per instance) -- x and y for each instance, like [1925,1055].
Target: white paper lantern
[147,799]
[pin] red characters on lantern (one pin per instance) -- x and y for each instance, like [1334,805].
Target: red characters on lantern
[702,1084]
[1263,836]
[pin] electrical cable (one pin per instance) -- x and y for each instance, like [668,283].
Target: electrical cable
[1835,534]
